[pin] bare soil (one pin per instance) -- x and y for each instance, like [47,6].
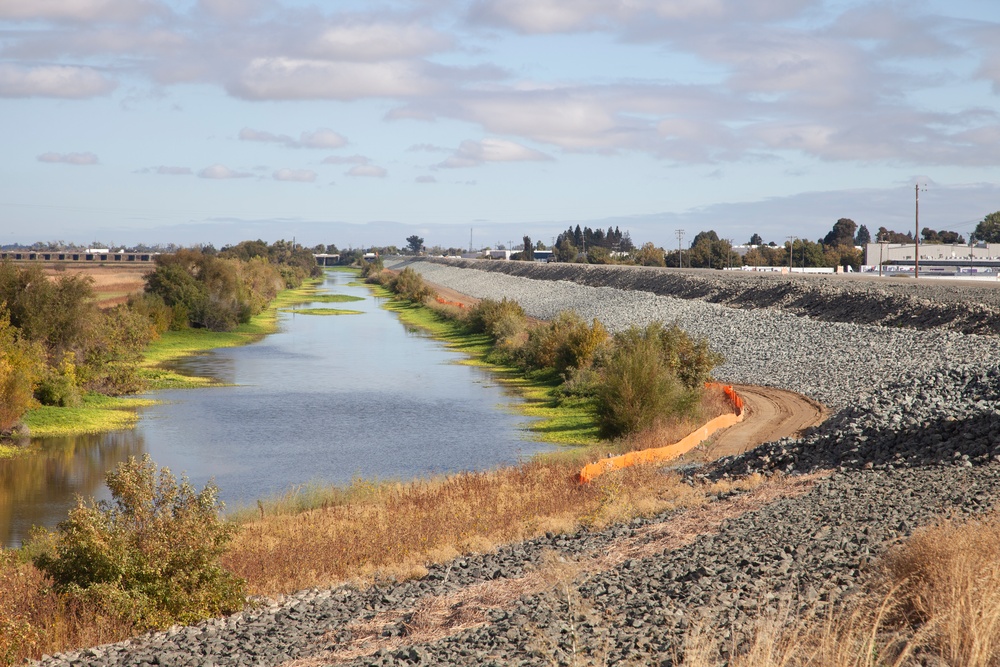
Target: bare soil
[771,414]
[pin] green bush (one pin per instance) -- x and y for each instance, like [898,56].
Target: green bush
[500,319]
[409,285]
[59,385]
[22,364]
[691,360]
[640,390]
[149,557]
[565,342]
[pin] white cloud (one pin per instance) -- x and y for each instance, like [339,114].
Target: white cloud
[474,153]
[173,171]
[377,41]
[632,16]
[367,170]
[426,179]
[283,78]
[295,175]
[320,138]
[250,134]
[53,81]
[69,158]
[78,10]
[221,172]
[347,159]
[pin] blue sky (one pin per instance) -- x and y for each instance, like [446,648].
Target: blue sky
[360,123]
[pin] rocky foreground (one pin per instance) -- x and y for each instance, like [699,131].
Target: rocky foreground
[914,436]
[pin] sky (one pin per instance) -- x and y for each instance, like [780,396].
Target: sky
[359,123]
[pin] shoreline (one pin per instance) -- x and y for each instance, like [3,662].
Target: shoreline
[102,414]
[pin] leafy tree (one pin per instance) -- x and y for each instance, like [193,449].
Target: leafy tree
[650,255]
[941,236]
[864,237]
[598,255]
[756,240]
[415,243]
[528,253]
[842,233]
[701,237]
[709,251]
[564,249]
[888,236]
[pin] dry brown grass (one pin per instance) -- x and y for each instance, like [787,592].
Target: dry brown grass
[935,601]
[112,284]
[393,530]
[35,621]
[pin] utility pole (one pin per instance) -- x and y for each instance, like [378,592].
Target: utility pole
[680,256]
[916,232]
[791,245]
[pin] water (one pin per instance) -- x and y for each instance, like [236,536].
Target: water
[326,399]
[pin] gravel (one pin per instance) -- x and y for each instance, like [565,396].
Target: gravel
[914,435]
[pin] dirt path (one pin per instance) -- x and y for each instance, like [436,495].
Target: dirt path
[771,414]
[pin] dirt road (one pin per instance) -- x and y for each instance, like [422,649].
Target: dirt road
[771,414]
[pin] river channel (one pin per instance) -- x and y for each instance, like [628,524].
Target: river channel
[327,399]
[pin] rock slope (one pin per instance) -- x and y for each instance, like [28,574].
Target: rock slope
[915,435]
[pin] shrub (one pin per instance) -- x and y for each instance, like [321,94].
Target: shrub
[152,306]
[59,385]
[151,555]
[640,391]
[655,374]
[409,285]
[500,319]
[565,342]
[691,360]
[22,363]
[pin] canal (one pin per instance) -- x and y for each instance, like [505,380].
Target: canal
[327,399]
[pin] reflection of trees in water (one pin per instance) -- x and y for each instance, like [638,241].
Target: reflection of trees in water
[39,488]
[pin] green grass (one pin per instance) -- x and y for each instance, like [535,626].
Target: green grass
[97,414]
[322,311]
[335,298]
[559,421]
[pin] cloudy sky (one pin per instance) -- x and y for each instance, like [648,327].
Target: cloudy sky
[361,122]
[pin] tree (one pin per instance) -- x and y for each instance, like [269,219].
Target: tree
[650,255]
[842,233]
[988,230]
[864,237]
[415,243]
[941,236]
[756,240]
[528,253]
[888,236]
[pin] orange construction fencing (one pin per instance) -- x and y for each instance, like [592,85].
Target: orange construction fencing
[660,454]
[449,303]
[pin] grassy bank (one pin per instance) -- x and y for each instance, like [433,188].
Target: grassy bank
[98,413]
[563,421]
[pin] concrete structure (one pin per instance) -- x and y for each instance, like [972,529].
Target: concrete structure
[94,255]
[902,253]
[324,259]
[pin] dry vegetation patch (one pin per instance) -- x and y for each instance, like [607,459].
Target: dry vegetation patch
[934,600]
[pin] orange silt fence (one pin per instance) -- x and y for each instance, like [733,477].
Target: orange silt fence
[685,444]
[444,301]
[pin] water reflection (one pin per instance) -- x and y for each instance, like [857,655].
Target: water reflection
[325,399]
[37,489]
